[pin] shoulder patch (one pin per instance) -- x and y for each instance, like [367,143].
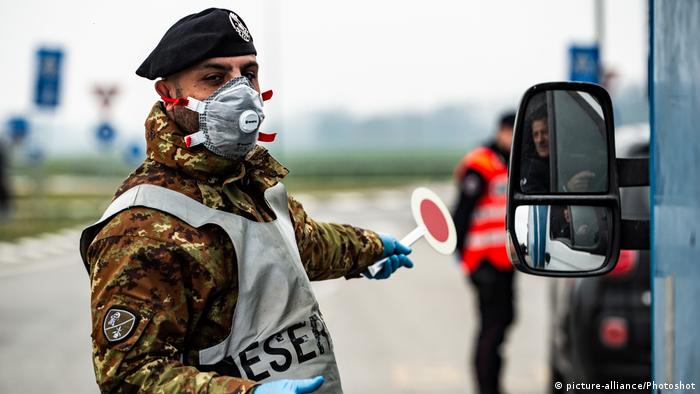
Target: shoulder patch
[118,324]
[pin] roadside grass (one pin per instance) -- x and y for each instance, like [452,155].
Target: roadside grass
[70,192]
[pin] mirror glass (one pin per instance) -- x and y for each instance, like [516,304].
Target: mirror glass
[563,237]
[564,144]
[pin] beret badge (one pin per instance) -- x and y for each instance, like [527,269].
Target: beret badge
[239,27]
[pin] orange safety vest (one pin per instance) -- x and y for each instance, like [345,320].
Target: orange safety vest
[486,236]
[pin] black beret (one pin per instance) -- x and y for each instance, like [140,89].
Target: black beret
[214,32]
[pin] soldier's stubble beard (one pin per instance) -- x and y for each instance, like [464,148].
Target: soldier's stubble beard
[187,120]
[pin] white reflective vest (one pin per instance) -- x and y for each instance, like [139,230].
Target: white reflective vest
[277,331]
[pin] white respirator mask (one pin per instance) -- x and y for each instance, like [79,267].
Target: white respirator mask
[229,119]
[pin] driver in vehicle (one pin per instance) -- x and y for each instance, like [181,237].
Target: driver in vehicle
[535,168]
[535,173]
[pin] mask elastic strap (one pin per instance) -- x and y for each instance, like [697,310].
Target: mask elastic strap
[176,101]
[189,103]
[266,95]
[265,137]
[195,139]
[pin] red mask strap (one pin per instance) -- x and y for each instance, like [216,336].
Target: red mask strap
[265,137]
[176,101]
[266,95]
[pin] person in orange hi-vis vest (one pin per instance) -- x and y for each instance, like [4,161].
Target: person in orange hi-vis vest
[480,221]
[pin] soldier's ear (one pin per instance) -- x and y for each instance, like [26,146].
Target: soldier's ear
[164,89]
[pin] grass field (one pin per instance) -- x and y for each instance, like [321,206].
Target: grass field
[69,192]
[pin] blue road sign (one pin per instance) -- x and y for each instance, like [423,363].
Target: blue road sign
[105,133]
[18,128]
[584,63]
[133,153]
[48,79]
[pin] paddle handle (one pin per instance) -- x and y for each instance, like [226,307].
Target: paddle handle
[408,240]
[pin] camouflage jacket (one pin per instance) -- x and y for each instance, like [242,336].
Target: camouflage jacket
[181,281]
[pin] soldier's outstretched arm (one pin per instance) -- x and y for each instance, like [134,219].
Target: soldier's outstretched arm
[146,294]
[330,250]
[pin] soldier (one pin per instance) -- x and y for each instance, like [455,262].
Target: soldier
[200,267]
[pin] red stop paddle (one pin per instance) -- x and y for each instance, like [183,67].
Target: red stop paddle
[433,222]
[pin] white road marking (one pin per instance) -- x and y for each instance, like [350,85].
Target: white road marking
[39,253]
[33,268]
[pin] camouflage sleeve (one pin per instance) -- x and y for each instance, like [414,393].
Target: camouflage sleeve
[144,294]
[330,250]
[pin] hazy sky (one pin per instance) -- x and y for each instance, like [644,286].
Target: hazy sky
[363,56]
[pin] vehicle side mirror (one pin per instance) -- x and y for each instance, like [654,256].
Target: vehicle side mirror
[563,216]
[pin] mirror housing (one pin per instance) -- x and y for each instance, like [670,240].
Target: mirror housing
[589,120]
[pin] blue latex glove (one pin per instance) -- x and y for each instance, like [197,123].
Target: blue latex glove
[289,386]
[396,252]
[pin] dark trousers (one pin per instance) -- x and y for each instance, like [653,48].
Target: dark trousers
[495,292]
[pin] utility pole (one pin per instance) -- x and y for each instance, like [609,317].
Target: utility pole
[599,20]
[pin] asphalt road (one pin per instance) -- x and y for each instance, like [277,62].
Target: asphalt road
[412,333]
